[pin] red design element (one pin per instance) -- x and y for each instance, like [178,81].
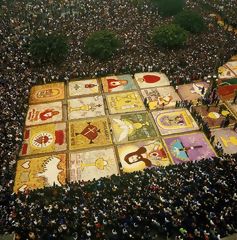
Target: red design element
[113,83]
[27,134]
[227,92]
[42,139]
[151,78]
[59,135]
[90,132]
[158,153]
[24,149]
[90,85]
[48,113]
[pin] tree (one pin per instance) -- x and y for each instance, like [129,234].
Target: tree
[170,36]
[102,44]
[49,48]
[190,21]
[169,7]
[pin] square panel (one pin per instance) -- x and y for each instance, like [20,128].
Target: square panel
[44,113]
[124,102]
[188,147]
[140,155]
[83,87]
[228,70]
[118,83]
[89,133]
[132,127]
[40,172]
[44,139]
[227,138]
[192,91]
[46,93]
[174,121]
[151,79]
[214,115]
[227,88]
[94,164]
[162,97]
[85,107]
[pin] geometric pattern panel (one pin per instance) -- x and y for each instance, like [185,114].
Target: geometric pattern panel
[89,133]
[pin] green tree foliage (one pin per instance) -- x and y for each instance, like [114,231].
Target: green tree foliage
[169,7]
[49,48]
[102,44]
[190,21]
[169,36]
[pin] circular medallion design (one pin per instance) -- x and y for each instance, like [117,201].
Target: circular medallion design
[42,139]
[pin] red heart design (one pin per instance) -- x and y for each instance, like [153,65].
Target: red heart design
[151,78]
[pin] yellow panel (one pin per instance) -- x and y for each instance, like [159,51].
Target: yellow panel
[47,93]
[40,172]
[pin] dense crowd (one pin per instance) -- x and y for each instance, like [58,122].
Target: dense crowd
[19,21]
[194,200]
[226,9]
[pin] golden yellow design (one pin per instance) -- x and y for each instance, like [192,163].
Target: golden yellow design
[30,172]
[89,134]
[213,115]
[99,163]
[47,93]
[152,105]
[226,141]
[125,102]
[225,113]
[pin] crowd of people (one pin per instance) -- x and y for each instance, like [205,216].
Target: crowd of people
[226,9]
[193,200]
[38,212]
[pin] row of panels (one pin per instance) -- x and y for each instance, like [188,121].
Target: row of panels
[161,92]
[102,131]
[110,84]
[37,172]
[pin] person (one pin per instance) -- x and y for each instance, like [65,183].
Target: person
[146,102]
[235,97]
[212,139]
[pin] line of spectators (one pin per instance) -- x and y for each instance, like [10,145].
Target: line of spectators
[194,200]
